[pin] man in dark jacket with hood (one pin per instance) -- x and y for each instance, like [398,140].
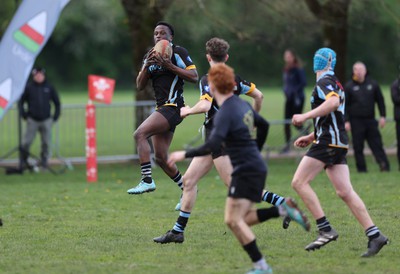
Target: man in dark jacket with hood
[361,95]
[38,96]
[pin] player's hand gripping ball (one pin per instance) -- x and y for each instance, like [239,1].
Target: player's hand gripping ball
[163,48]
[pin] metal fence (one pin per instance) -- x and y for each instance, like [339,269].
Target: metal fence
[115,125]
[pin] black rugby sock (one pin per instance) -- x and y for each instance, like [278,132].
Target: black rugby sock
[323,224]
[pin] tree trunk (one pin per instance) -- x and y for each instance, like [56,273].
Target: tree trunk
[333,16]
[142,17]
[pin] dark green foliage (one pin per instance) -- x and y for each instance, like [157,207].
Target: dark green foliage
[92,37]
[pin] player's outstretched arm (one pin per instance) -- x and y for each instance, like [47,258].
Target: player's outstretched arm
[176,156]
[201,106]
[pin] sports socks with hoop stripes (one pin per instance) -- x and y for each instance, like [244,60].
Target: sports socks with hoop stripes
[323,224]
[272,198]
[180,224]
[145,169]
[372,232]
[178,179]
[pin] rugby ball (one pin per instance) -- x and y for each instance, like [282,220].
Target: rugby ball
[163,48]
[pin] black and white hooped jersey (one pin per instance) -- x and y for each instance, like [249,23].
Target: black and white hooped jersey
[329,130]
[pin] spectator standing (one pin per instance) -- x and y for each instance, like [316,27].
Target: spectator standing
[395,91]
[294,82]
[35,108]
[362,93]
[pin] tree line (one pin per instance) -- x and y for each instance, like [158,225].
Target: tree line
[110,37]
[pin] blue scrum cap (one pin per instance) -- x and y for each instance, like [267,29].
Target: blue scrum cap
[324,58]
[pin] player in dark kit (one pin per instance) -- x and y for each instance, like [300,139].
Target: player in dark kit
[167,76]
[328,151]
[234,125]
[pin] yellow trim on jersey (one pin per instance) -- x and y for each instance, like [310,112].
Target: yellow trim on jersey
[332,93]
[166,105]
[206,97]
[190,67]
[332,145]
[252,88]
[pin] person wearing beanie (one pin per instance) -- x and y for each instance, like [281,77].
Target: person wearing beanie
[36,108]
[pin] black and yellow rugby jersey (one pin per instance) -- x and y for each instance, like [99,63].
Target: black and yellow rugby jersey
[242,87]
[168,87]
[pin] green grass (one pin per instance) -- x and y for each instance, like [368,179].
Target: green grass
[61,224]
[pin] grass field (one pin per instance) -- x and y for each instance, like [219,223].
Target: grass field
[61,224]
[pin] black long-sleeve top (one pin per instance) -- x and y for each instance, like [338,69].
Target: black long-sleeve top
[395,92]
[234,127]
[38,97]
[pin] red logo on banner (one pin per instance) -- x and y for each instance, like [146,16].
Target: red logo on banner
[101,89]
[91,153]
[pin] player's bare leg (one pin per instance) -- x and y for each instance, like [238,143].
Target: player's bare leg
[305,173]
[199,166]
[235,212]
[340,178]
[155,124]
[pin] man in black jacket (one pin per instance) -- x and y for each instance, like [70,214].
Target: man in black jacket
[361,95]
[38,96]
[395,91]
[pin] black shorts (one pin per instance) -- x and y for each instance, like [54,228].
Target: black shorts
[220,151]
[328,155]
[247,186]
[172,114]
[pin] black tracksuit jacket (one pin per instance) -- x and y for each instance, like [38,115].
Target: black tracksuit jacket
[38,98]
